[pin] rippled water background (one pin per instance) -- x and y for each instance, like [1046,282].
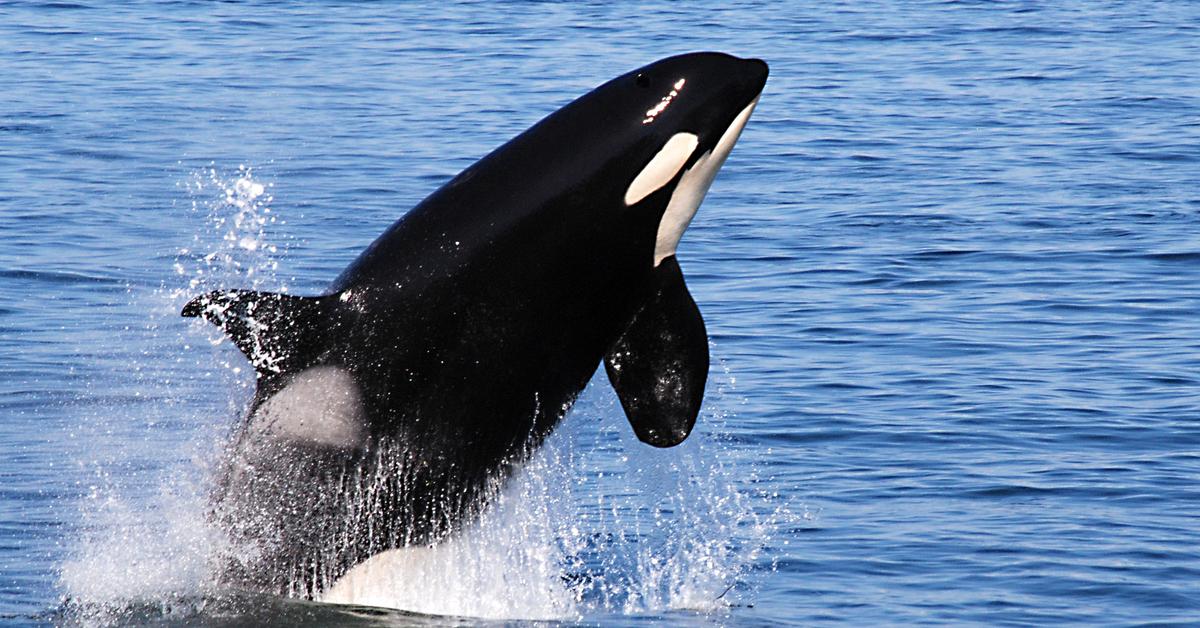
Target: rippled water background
[951,274]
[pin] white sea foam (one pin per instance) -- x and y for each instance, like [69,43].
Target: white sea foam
[142,548]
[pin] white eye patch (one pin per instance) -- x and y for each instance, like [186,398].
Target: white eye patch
[663,167]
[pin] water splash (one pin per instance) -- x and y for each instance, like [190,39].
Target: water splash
[230,248]
[655,530]
[594,523]
[146,543]
[138,551]
[234,244]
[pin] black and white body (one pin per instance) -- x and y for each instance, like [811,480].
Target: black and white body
[390,407]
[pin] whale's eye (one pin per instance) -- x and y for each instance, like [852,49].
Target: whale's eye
[642,80]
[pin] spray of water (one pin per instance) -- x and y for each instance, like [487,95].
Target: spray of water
[148,544]
[594,523]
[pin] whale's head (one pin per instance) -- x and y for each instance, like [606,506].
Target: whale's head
[643,147]
[670,126]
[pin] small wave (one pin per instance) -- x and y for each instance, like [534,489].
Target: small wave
[101,155]
[59,277]
[70,6]
[22,127]
[1167,156]
[945,253]
[1183,256]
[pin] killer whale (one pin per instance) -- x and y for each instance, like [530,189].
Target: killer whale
[389,408]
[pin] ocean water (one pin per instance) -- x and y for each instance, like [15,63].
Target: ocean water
[951,275]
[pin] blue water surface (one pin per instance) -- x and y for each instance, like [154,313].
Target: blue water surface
[951,274]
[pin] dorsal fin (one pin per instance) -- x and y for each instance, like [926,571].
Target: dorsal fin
[278,333]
